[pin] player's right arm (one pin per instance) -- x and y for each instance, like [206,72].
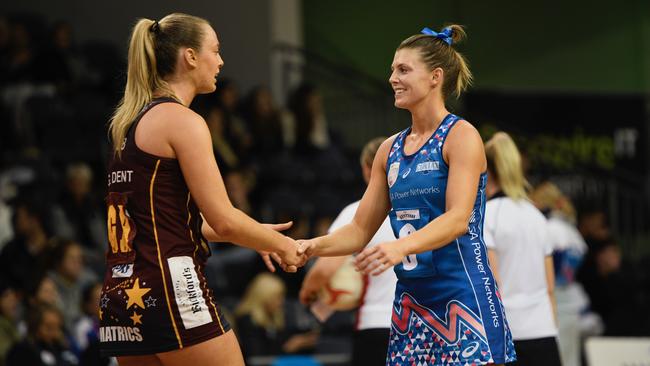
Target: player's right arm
[372,211]
[189,137]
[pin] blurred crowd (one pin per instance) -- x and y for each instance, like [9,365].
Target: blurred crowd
[279,163]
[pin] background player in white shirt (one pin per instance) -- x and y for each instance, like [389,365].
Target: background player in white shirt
[370,339]
[569,249]
[520,249]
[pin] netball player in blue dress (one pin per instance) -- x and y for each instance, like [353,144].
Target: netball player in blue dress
[430,179]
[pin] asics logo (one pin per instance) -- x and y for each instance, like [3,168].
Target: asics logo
[470,350]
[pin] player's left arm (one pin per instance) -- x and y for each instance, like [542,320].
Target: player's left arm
[463,150]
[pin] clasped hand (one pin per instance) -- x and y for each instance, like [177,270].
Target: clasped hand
[372,260]
[289,260]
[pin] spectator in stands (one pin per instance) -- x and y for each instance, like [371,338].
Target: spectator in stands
[261,320]
[6,229]
[224,151]
[593,224]
[264,121]
[45,343]
[42,290]
[21,55]
[309,124]
[238,188]
[227,98]
[5,38]
[70,278]
[86,328]
[232,127]
[22,259]
[77,215]
[58,62]
[8,318]
[613,287]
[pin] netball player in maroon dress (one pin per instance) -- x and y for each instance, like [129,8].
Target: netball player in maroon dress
[165,200]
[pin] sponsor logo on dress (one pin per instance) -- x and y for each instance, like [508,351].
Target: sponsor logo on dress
[187,289]
[393,172]
[122,270]
[406,173]
[407,215]
[470,350]
[427,166]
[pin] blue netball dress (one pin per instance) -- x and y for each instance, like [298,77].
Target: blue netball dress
[447,308]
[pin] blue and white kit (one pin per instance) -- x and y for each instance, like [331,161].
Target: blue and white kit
[447,309]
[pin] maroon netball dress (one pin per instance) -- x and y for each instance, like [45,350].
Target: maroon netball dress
[155,296]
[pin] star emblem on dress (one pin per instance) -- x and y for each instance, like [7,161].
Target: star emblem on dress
[135,294]
[150,301]
[104,301]
[136,318]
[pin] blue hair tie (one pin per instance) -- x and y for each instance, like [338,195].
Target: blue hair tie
[444,35]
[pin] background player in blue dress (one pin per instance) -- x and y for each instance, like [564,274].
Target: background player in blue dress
[430,179]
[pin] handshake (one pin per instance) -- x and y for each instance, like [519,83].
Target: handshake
[296,255]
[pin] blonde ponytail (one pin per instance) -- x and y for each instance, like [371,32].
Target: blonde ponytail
[548,196]
[152,54]
[504,162]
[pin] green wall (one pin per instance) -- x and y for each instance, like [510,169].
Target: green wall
[574,46]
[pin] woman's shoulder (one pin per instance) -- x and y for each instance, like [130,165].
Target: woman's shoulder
[175,112]
[463,127]
[176,120]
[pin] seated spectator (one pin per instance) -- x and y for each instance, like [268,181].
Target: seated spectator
[8,318]
[6,229]
[86,328]
[261,320]
[21,55]
[238,189]
[45,343]
[612,286]
[224,151]
[58,63]
[264,121]
[227,98]
[70,277]
[77,215]
[593,224]
[42,290]
[311,134]
[22,259]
